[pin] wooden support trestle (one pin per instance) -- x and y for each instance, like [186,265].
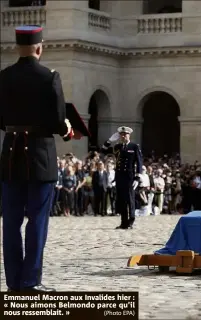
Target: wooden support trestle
[185,261]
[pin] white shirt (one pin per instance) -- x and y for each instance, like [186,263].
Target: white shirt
[159,183]
[144,180]
[110,179]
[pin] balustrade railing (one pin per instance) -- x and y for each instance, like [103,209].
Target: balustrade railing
[160,23]
[99,20]
[23,15]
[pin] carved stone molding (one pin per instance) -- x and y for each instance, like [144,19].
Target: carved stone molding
[91,47]
[189,120]
[122,121]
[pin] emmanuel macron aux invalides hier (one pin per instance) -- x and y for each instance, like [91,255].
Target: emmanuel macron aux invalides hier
[47,297]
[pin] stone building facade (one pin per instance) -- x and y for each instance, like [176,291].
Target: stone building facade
[134,63]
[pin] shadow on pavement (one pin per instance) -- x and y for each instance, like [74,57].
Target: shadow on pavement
[146,273]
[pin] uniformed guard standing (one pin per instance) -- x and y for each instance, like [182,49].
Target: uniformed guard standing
[128,155]
[32,109]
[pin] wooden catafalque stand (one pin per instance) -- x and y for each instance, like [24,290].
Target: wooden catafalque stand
[185,261]
[182,251]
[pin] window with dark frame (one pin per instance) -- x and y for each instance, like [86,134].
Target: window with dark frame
[26,3]
[157,6]
[94,4]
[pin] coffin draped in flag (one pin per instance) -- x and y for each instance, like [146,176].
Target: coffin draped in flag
[78,125]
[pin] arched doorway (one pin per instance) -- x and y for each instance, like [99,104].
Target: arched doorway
[161,127]
[100,114]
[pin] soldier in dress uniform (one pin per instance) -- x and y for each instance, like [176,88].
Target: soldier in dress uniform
[32,109]
[128,168]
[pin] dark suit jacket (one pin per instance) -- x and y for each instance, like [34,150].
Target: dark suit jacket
[96,180]
[151,178]
[31,95]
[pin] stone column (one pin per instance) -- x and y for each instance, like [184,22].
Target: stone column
[192,6]
[191,20]
[65,19]
[190,133]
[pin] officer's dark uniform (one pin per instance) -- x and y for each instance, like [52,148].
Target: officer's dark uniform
[32,108]
[127,158]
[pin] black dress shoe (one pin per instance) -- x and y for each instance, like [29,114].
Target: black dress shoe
[39,288]
[121,227]
[130,223]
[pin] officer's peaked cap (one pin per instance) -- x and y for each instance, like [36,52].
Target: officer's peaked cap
[125,130]
[28,35]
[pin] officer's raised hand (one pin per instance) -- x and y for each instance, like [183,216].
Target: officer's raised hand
[115,137]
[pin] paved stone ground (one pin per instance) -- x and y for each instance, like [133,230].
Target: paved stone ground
[87,254]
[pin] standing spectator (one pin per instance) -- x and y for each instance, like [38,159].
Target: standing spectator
[79,191]
[144,186]
[168,193]
[176,192]
[88,190]
[56,210]
[159,189]
[151,189]
[186,193]
[110,188]
[69,186]
[196,183]
[99,182]
[62,165]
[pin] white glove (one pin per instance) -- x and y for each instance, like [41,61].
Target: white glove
[69,127]
[135,184]
[114,137]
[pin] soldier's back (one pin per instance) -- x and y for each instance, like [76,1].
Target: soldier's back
[26,95]
[27,99]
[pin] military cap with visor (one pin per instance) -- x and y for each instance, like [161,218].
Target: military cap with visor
[28,35]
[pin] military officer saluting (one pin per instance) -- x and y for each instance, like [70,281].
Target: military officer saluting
[128,167]
[32,109]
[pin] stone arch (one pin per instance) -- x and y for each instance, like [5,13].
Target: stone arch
[105,90]
[99,110]
[144,95]
[160,113]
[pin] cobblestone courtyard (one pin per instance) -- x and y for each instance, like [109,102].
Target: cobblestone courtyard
[87,253]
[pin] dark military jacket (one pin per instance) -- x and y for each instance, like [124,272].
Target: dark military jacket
[31,95]
[128,160]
